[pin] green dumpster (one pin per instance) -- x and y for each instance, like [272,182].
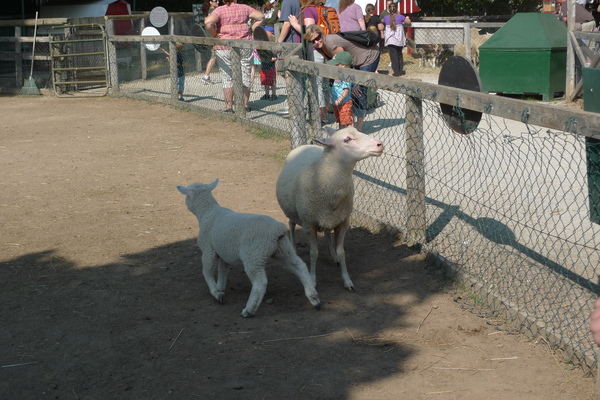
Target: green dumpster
[527,56]
[591,102]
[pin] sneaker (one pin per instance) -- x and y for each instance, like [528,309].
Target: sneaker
[248,109]
[206,80]
[181,99]
[265,97]
[274,97]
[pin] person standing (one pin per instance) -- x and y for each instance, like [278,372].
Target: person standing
[310,16]
[584,20]
[395,39]
[230,21]
[351,16]
[386,11]
[271,16]
[363,58]
[340,92]
[207,8]
[180,70]
[288,34]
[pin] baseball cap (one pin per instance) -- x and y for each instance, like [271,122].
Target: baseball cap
[343,57]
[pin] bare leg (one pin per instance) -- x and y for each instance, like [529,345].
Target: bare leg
[228,94]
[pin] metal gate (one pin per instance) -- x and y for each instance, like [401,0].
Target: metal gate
[78,56]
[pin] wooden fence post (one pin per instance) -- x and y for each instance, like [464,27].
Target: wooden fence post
[173,69]
[238,83]
[296,110]
[416,222]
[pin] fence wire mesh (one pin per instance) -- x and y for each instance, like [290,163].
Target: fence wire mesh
[506,205]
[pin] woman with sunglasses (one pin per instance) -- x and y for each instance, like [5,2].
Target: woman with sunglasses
[363,58]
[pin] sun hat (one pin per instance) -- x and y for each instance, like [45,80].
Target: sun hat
[343,57]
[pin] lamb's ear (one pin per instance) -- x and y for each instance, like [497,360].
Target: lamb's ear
[323,141]
[213,185]
[185,190]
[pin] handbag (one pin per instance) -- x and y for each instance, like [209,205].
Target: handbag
[366,38]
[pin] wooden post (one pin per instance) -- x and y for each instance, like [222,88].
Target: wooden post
[297,121]
[570,84]
[18,57]
[143,60]
[314,112]
[173,69]
[468,39]
[415,172]
[238,84]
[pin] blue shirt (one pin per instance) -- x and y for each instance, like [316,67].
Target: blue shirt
[337,89]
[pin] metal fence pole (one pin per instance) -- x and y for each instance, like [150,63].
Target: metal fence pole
[415,172]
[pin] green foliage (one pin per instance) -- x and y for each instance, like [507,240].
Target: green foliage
[449,8]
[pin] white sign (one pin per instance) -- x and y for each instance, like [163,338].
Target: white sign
[150,31]
[159,17]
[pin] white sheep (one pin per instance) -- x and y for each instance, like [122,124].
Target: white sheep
[229,238]
[315,190]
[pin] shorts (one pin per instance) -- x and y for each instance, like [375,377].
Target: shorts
[224,63]
[343,113]
[267,76]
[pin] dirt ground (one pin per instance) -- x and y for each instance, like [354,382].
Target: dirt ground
[102,295]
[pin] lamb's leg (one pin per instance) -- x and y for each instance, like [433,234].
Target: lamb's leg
[287,257]
[292,227]
[222,275]
[339,236]
[258,278]
[314,253]
[209,269]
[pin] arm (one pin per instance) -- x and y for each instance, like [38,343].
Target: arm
[342,97]
[381,28]
[258,17]
[211,24]
[407,21]
[362,24]
[284,31]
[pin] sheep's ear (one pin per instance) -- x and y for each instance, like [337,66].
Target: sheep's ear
[213,185]
[323,141]
[329,130]
[185,190]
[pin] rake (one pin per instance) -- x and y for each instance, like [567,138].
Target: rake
[29,88]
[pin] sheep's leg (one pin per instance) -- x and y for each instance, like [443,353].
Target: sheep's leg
[210,262]
[258,278]
[330,242]
[314,253]
[222,275]
[287,257]
[339,236]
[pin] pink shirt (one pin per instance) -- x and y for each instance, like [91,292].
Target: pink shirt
[233,22]
[349,18]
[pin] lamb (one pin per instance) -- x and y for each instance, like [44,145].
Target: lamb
[229,238]
[315,190]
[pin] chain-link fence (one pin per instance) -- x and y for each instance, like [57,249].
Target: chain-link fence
[507,206]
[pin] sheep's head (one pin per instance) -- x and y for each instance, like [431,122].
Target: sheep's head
[353,144]
[196,190]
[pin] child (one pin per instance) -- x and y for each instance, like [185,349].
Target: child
[268,74]
[180,70]
[340,92]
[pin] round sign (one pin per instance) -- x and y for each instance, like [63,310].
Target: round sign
[159,17]
[150,31]
[458,72]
